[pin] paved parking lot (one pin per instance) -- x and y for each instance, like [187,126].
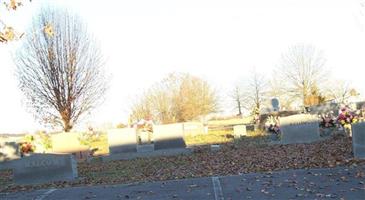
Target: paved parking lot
[334,183]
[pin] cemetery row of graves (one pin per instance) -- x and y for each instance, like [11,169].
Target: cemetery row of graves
[148,152]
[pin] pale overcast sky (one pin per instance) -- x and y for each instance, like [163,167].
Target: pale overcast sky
[220,41]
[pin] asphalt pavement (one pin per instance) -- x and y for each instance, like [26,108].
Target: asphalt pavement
[344,183]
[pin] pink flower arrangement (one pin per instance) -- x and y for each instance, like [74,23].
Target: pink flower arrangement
[346,117]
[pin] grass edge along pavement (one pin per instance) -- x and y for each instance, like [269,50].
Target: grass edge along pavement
[232,159]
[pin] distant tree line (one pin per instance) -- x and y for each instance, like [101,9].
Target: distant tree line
[300,78]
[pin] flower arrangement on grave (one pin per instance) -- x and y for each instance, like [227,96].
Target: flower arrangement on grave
[272,125]
[327,121]
[346,117]
[145,125]
[27,146]
[89,137]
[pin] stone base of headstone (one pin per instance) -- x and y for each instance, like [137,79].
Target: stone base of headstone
[145,148]
[144,137]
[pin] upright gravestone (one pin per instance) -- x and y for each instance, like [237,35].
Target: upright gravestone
[193,128]
[169,136]
[122,140]
[239,131]
[67,143]
[302,128]
[250,127]
[358,140]
[44,168]
[275,104]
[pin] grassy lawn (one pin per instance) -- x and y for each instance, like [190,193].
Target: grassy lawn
[223,122]
[212,137]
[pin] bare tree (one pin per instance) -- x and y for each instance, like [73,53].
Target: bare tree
[277,89]
[141,108]
[8,33]
[302,68]
[177,98]
[255,92]
[237,97]
[61,76]
[339,90]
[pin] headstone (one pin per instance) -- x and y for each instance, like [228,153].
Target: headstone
[239,131]
[214,147]
[122,140]
[67,143]
[358,140]
[275,104]
[193,128]
[206,129]
[250,127]
[44,168]
[9,151]
[302,128]
[168,136]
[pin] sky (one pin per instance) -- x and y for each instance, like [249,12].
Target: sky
[220,41]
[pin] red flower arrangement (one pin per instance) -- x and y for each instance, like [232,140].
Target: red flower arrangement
[346,117]
[26,148]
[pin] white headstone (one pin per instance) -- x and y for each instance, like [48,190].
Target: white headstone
[122,140]
[169,136]
[239,131]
